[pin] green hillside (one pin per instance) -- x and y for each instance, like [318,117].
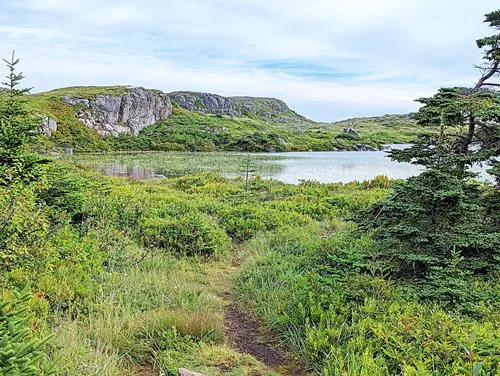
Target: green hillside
[251,124]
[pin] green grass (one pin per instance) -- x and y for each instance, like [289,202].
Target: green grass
[87,92]
[309,288]
[160,314]
[121,299]
[186,130]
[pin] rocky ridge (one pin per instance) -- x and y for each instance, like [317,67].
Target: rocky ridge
[135,108]
[265,109]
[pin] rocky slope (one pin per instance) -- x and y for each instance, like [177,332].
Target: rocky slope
[126,113]
[265,109]
[127,110]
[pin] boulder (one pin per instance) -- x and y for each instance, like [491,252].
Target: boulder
[48,126]
[185,372]
[351,131]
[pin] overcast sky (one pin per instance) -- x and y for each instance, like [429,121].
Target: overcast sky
[328,59]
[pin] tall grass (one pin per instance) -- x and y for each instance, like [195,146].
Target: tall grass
[144,165]
[143,315]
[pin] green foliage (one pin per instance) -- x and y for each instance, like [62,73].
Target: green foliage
[429,221]
[385,335]
[460,117]
[244,221]
[467,120]
[25,227]
[491,44]
[21,351]
[192,131]
[110,265]
[13,107]
[316,294]
[438,230]
[39,249]
[424,232]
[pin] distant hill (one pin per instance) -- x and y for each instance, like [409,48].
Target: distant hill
[135,118]
[265,109]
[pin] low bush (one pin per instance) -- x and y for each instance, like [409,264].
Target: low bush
[244,221]
[189,234]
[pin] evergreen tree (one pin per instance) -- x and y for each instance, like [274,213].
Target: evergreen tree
[18,128]
[442,223]
[467,119]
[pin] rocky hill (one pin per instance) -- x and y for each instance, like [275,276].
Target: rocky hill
[135,118]
[126,113]
[127,110]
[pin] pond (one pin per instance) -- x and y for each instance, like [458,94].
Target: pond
[292,167]
[332,167]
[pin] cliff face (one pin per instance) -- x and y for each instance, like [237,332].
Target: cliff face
[266,109]
[126,113]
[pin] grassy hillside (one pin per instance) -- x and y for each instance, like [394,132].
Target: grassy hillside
[282,130]
[70,131]
[191,131]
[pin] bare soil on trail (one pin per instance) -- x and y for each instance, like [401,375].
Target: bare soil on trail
[247,337]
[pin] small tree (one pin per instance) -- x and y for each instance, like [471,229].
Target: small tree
[467,119]
[18,127]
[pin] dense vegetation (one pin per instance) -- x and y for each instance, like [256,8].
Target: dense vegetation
[112,276]
[193,131]
[189,131]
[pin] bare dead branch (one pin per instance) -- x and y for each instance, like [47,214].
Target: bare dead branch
[489,73]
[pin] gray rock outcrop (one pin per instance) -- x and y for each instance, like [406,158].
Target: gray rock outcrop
[351,131]
[205,103]
[266,109]
[127,113]
[48,126]
[362,147]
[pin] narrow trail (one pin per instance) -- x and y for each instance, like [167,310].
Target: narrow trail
[247,337]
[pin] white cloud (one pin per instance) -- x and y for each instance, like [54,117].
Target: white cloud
[393,50]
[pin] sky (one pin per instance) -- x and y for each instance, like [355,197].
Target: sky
[328,59]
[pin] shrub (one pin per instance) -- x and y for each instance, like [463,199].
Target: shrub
[24,229]
[189,234]
[314,292]
[244,221]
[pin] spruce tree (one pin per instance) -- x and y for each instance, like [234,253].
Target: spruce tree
[465,121]
[442,217]
[18,130]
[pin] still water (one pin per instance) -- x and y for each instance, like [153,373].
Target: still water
[331,167]
[293,167]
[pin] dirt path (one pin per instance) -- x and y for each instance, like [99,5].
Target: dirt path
[247,337]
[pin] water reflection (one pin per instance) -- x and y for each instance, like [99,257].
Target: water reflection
[324,167]
[134,171]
